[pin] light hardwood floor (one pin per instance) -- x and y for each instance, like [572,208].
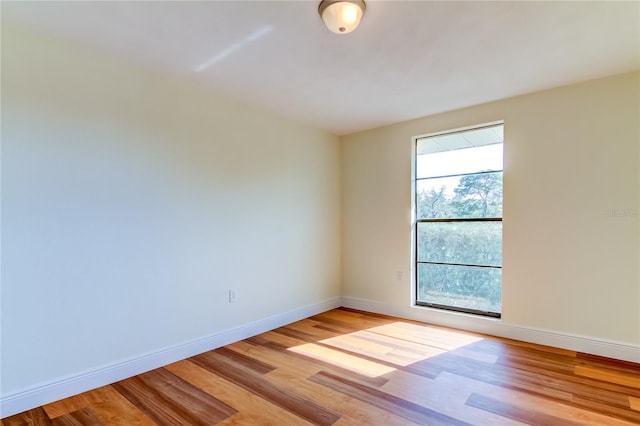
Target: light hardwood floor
[346,367]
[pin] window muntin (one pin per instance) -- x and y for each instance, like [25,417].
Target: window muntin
[458,202]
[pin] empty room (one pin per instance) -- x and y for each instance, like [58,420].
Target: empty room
[335,212]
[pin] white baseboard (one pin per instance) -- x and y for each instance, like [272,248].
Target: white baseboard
[45,393]
[495,327]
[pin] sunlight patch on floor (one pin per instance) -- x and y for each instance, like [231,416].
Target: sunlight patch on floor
[383,348]
[426,335]
[341,359]
[399,343]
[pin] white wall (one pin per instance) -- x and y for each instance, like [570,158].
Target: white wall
[571,212]
[131,203]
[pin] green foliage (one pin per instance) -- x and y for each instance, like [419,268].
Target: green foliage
[479,195]
[434,204]
[460,286]
[472,243]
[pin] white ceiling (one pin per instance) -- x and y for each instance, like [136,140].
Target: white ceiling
[408,58]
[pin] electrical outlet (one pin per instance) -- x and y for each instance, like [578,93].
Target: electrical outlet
[399,275]
[233,296]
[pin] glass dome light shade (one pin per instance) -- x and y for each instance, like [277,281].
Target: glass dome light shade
[341,16]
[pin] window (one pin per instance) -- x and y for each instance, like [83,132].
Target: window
[458,208]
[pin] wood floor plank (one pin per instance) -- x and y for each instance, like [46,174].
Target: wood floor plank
[167,399]
[528,401]
[360,365]
[398,406]
[297,334]
[597,360]
[281,339]
[510,378]
[471,352]
[584,390]
[609,375]
[280,342]
[306,409]
[567,378]
[304,366]
[114,409]
[354,411]
[445,394]
[252,409]
[511,345]
[616,411]
[530,417]
[35,417]
[382,347]
[80,417]
[247,361]
[333,329]
[348,321]
[106,404]
[634,403]
[246,419]
[430,335]
[358,362]
[65,406]
[548,362]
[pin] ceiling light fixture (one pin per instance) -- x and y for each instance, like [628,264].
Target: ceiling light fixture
[341,16]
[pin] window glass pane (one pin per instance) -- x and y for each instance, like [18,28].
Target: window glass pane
[467,196]
[459,161]
[461,139]
[462,287]
[471,243]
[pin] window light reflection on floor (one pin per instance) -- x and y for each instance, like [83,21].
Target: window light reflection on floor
[341,359]
[397,343]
